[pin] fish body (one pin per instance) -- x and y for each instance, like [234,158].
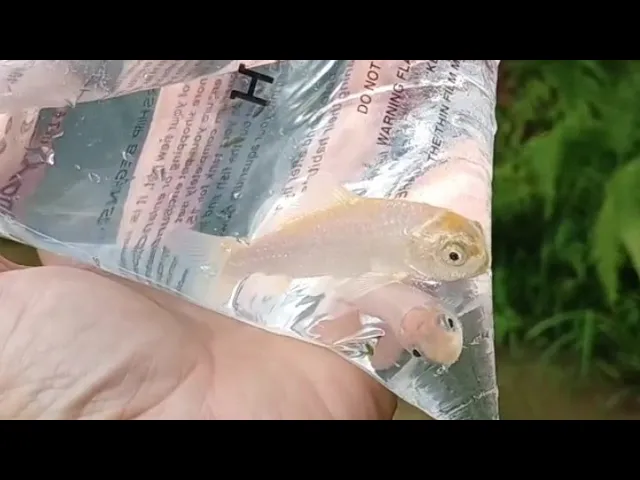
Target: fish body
[346,236]
[345,241]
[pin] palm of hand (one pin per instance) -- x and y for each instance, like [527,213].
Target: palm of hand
[77,344]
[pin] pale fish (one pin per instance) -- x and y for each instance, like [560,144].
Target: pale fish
[333,232]
[410,320]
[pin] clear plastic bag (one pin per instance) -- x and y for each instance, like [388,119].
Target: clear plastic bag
[342,202]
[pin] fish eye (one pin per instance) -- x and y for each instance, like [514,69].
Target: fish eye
[416,353]
[447,322]
[454,254]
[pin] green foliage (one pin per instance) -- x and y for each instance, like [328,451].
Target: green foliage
[566,228]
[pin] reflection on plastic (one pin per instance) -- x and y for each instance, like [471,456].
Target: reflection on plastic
[58,83]
[239,155]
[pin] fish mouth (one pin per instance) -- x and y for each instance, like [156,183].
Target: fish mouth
[444,351]
[454,354]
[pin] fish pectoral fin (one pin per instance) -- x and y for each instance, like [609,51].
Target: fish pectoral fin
[358,287]
[322,193]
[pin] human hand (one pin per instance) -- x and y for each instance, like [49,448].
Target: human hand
[77,344]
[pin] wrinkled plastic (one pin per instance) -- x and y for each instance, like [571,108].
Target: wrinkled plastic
[59,83]
[106,182]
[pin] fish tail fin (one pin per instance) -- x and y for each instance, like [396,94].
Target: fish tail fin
[206,256]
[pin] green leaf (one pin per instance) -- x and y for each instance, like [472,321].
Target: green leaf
[606,250]
[625,186]
[548,323]
[543,155]
[587,341]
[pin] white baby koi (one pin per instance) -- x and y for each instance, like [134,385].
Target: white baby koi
[345,236]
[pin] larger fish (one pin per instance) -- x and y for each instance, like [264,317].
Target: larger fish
[345,236]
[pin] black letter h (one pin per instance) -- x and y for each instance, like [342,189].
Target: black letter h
[249,96]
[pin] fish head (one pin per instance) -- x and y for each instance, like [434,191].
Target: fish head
[432,333]
[449,247]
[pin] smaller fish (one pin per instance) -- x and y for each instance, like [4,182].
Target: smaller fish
[344,236]
[412,321]
[432,333]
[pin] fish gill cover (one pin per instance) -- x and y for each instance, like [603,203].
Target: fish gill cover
[238,150]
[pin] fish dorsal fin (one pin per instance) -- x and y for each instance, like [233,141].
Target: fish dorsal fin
[318,199]
[321,194]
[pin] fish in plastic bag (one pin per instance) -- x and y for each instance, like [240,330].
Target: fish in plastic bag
[403,320]
[371,242]
[113,182]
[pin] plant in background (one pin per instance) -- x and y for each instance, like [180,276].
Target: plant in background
[566,228]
